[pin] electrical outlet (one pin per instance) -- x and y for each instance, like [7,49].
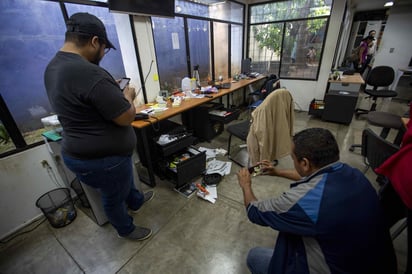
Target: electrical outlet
[44,163]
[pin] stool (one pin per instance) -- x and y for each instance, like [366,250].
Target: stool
[240,130]
[387,121]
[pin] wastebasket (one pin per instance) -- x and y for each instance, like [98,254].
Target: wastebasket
[57,205]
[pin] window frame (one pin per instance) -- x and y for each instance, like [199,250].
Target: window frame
[284,22]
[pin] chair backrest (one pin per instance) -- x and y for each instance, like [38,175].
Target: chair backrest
[380,76]
[376,149]
[272,83]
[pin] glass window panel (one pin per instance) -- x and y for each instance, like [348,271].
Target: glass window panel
[112,61]
[236,49]
[213,9]
[302,48]
[274,34]
[199,44]
[221,48]
[31,33]
[265,46]
[288,10]
[170,46]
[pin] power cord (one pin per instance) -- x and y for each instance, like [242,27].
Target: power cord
[51,174]
[147,75]
[23,232]
[155,128]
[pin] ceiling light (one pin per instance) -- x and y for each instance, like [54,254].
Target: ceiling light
[388,4]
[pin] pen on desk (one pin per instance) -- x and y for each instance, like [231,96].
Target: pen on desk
[201,188]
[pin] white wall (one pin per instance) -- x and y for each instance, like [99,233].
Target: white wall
[144,34]
[397,35]
[147,55]
[23,181]
[124,34]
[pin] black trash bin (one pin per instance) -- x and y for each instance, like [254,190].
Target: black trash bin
[57,205]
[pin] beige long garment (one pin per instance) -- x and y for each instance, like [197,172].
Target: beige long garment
[271,129]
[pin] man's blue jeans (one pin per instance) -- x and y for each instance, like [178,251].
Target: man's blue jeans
[113,176]
[258,260]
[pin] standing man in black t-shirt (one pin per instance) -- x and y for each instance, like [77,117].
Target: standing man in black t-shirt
[98,139]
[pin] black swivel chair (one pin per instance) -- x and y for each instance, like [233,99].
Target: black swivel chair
[387,121]
[239,130]
[378,77]
[376,149]
[271,84]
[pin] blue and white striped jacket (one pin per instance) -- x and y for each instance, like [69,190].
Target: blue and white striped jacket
[329,222]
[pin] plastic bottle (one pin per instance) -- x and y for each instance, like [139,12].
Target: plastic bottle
[186,84]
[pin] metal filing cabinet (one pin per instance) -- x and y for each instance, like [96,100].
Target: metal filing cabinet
[339,106]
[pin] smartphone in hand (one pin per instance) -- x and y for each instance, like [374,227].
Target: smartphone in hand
[124,82]
[255,170]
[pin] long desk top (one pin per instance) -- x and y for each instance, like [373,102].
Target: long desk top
[356,78]
[192,102]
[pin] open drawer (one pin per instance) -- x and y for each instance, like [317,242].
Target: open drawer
[186,165]
[224,115]
[182,141]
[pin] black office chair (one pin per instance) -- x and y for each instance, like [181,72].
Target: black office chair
[387,121]
[376,150]
[395,210]
[272,83]
[380,76]
[239,130]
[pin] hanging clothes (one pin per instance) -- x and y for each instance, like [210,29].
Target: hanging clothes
[271,129]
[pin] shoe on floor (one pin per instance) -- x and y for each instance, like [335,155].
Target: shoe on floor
[138,234]
[148,196]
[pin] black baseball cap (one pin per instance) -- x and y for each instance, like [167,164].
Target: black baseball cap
[86,23]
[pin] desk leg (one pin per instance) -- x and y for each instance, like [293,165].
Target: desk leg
[150,170]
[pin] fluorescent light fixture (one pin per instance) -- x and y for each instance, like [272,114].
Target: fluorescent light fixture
[388,4]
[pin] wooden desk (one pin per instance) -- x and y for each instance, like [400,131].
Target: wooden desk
[398,76]
[347,83]
[141,126]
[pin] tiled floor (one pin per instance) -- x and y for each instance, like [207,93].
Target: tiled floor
[189,235]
